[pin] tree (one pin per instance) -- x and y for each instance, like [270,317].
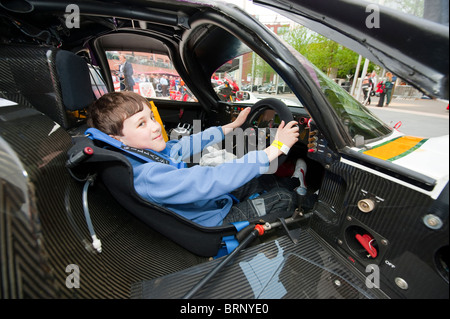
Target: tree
[322,52]
[263,70]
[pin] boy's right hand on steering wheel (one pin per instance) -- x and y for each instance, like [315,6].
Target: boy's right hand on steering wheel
[287,133]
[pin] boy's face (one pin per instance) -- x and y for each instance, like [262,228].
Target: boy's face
[141,130]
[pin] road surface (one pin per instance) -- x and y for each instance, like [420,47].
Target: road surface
[418,117]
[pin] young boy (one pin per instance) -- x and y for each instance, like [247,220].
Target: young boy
[203,194]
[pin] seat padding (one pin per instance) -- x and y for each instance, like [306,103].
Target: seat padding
[75,81]
[47,79]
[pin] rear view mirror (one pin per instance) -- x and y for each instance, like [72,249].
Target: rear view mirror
[242,95]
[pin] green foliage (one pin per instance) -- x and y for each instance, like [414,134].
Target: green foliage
[322,52]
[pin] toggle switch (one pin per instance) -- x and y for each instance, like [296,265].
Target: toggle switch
[367,242]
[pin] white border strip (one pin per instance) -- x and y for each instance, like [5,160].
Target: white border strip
[433,194]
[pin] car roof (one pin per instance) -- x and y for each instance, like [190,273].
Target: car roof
[401,43]
[413,48]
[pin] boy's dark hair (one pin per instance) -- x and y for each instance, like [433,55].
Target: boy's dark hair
[110,111]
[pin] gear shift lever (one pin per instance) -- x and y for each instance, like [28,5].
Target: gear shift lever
[300,173]
[301,195]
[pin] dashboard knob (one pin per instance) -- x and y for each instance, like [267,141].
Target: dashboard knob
[366,205]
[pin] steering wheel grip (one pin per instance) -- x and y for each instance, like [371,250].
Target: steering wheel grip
[275,104]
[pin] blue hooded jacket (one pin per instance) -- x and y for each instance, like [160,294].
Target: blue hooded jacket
[198,193]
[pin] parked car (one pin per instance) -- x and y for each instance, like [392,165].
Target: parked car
[266,88]
[374,221]
[250,87]
[283,88]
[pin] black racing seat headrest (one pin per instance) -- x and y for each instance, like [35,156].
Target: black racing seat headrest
[75,81]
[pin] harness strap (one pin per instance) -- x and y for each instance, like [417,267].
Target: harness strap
[143,154]
[229,243]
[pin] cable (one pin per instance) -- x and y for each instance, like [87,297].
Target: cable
[96,243]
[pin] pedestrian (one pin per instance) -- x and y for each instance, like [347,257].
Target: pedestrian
[381,92]
[126,73]
[172,83]
[384,88]
[373,77]
[389,85]
[157,85]
[164,85]
[367,87]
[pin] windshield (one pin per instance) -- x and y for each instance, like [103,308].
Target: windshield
[358,120]
[350,69]
[248,78]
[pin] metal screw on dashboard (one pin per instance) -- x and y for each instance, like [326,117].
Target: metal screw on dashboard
[432,221]
[401,283]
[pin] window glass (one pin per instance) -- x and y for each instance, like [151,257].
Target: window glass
[248,78]
[148,74]
[436,11]
[98,85]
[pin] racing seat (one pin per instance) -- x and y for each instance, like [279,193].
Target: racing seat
[53,81]
[88,158]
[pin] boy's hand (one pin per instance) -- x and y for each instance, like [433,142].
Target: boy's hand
[286,134]
[242,117]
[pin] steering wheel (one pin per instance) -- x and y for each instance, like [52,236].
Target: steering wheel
[263,121]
